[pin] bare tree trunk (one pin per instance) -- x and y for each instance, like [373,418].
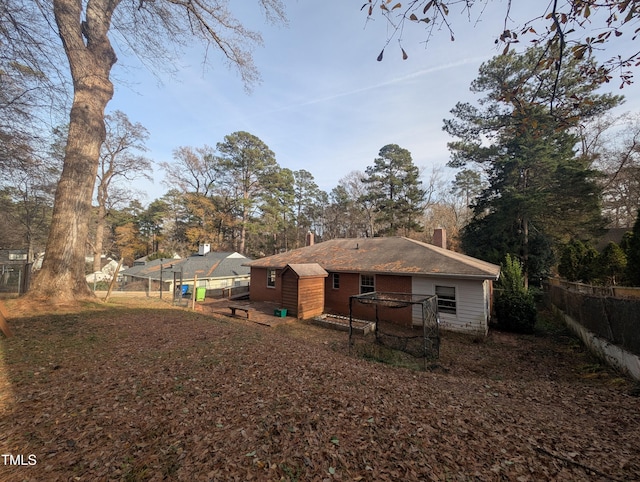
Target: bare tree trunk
[91,57]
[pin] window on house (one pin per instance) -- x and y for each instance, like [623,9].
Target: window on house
[446,299]
[271,278]
[367,283]
[336,281]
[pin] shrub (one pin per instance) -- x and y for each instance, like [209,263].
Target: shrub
[613,262]
[578,261]
[516,312]
[515,307]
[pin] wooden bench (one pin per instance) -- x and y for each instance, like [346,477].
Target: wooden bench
[235,308]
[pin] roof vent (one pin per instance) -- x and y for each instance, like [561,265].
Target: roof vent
[204,249]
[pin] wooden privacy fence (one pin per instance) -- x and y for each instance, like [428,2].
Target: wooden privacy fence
[612,291]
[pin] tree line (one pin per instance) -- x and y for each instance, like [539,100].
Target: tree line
[531,183]
[235,196]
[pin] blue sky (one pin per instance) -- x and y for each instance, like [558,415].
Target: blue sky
[324,104]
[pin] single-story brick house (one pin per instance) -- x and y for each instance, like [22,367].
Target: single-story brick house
[332,271]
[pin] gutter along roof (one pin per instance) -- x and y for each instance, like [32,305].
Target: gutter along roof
[394,255]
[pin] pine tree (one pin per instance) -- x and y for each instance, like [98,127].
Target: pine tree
[394,187]
[540,192]
[612,263]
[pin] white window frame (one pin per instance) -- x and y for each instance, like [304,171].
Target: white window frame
[271,278]
[368,288]
[446,303]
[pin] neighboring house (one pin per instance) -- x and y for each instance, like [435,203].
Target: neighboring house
[348,267]
[108,268]
[214,270]
[145,259]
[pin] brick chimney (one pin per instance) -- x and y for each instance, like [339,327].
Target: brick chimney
[310,239]
[440,237]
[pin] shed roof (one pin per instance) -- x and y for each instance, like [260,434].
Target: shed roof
[393,255]
[308,270]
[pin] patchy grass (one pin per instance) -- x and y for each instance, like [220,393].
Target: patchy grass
[144,391]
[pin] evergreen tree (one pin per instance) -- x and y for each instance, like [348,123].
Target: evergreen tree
[633,255]
[515,307]
[571,260]
[307,198]
[540,191]
[612,262]
[394,187]
[245,165]
[278,219]
[468,185]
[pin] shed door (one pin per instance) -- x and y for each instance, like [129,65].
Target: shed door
[290,292]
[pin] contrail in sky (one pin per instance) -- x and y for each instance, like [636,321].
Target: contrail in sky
[398,80]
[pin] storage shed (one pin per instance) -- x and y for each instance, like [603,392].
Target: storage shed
[303,290]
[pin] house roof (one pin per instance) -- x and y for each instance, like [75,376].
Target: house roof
[210,265]
[308,270]
[393,255]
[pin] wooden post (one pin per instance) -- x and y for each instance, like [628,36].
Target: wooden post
[113,281]
[4,327]
[193,294]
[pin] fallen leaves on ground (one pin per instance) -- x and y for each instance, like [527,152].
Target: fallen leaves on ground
[119,393]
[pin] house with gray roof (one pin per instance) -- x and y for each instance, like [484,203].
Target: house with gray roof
[347,267]
[213,270]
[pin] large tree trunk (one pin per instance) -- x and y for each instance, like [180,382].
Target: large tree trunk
[91,57]
[98,244]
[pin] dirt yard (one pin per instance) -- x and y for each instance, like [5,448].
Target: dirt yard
[150,392]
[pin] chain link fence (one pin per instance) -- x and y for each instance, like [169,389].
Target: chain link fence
[614,319]
[420,340]
[14,278]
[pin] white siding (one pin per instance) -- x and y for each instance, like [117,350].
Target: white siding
[472,304]
[218,283]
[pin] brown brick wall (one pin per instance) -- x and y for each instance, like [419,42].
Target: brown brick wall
[258,290]
[337,301]
[394,284]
